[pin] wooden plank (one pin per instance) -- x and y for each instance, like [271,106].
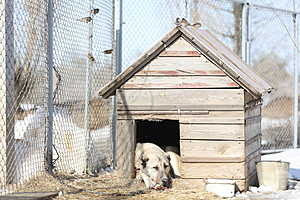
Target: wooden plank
[253,145]
[252,111]
[252,127]
[180,48]
[217,151]
[167,112]
[212,160]
[179,72]
[180,97]
[179,53]
[196,183]
[125,147]
[252,122]
[212,131]
[181,44]
[213,117]
[216,117]
[213,170]
[180,82]
[180,108]
[243,173]
[181,66]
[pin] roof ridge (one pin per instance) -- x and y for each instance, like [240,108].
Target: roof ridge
[205,43]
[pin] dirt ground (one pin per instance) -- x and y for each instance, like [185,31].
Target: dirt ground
[110,187]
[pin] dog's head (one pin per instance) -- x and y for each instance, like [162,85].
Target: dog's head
[156,170]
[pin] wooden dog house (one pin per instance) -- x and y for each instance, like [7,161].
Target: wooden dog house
[191,77]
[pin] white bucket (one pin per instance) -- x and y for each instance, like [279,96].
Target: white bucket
[273,174]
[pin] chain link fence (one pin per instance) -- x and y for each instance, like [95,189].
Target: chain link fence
[82,35]
[82,55]
[265,39]
[24,91]
[272,56]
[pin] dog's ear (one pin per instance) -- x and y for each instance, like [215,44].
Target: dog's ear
[144,160]
[168,156]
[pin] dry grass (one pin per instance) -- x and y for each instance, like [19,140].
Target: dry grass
[110,187]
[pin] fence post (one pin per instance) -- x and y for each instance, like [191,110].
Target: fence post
[119,42]
[246,41]
[49,156]
[90,63]
[296,74]
[114,100]
[118,61]
[7,110]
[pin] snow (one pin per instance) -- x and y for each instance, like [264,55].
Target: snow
[29,143]
[69,141]
[23,128]
[282,195]
[292,156]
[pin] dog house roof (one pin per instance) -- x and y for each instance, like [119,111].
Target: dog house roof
[208,45]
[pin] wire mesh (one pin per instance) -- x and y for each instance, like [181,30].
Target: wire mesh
[271,48]
[220,17]
[83,54]
[83,63]
[272,57]
[71,43]
[137,34]
[100,114]
[83,49]
[24,91]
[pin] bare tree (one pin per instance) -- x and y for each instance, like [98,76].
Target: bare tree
[208,13]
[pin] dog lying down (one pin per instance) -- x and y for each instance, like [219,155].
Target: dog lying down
[155,167]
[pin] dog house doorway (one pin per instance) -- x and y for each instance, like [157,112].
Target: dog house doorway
[162,133]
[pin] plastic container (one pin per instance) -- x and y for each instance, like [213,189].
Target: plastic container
[273,174]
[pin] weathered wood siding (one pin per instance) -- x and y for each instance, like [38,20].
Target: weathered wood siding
[212,131]
[253,140]
[133,98]
[180,82]
[125,142]
[184,66]
[212,151]
[183,85]
[180,48]
[213,170]
[180,66]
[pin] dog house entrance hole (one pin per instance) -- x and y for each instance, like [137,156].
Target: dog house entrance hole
[162,133]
